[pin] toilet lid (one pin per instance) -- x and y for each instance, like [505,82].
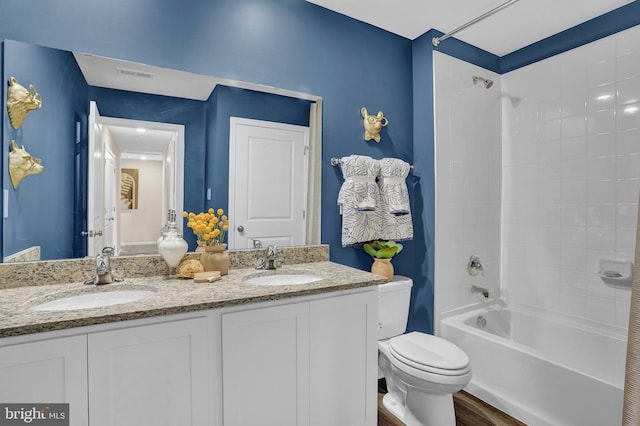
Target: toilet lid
[429,353]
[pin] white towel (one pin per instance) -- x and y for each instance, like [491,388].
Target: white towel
[374,203]
[359,173]
[358,200]
[394,210]
[393,186]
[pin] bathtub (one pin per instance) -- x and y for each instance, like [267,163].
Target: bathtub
[542,371]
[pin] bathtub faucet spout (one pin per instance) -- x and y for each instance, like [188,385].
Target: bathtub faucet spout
[482,290]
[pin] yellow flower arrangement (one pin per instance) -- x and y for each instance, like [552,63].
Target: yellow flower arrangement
[210,226]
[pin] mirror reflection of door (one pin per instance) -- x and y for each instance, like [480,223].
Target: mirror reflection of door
[267,183]
[110,188]
[156,152]
[95,200]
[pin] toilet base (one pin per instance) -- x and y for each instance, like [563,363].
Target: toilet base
[425,410]
[393,406]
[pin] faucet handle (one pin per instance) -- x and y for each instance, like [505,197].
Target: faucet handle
[474,267]
[272,255]
[108,251]
[260,261]
[102,264]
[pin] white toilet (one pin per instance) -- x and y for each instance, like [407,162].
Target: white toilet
[422,371]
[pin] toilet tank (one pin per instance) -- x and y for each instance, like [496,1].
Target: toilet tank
[393,306]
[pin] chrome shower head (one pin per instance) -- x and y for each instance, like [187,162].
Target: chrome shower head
[485,82]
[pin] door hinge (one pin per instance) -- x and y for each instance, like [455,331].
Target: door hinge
[304,214]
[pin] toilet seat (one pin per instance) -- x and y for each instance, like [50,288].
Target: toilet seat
[429,354]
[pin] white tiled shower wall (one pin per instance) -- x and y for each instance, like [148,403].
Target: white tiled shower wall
[540,176]
[571,177]
[468,182]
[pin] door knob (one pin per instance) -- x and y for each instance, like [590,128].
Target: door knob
[240,228]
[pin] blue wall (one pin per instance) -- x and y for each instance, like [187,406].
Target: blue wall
[48,133]
[602,26]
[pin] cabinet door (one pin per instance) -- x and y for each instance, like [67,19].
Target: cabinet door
[49,371]
[265,366]
[344,360]
[150,375]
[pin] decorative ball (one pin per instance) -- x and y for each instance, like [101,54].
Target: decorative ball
[188,268]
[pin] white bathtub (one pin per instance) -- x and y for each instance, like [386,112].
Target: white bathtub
[542,371]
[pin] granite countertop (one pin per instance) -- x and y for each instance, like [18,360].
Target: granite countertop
[171,296]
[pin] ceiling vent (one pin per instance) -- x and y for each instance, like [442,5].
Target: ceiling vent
[134,73]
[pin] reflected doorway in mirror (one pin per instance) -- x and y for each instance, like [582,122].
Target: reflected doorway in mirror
[268,165]
[158,157]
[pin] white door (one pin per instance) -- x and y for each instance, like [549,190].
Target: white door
[111,187]
[267,183]
[95,200]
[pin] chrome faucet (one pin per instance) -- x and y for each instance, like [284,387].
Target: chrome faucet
[484,291]
[103,268]
[271,260]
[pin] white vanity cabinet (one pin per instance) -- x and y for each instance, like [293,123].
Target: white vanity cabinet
[265,365]
[308,360]
[343,364]
[47,371]
[150,375]
[307,363]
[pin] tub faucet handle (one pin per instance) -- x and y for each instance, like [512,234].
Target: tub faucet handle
[474,267]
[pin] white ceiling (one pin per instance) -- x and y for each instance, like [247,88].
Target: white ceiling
[512,28]
[151,143]
[135,77]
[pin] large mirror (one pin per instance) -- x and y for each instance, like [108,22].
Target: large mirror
[47,216]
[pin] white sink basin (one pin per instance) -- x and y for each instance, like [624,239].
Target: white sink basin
[283,279]
[93,300]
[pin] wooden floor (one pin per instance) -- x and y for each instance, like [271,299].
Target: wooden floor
[470,411]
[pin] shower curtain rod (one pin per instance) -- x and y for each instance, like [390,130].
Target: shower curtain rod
[436,40]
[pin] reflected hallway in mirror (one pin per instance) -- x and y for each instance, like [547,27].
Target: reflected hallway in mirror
[141,183]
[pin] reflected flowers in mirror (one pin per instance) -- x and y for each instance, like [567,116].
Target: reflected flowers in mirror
[209,227]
